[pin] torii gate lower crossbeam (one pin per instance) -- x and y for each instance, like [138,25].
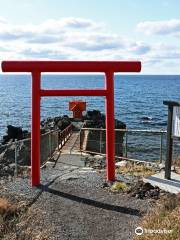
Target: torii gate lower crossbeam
[37,67]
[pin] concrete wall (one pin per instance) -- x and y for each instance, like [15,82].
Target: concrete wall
[49,143]
[95,141]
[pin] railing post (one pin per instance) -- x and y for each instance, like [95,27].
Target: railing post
[80,140]
[71,128]
[61,138]
[100,141]
[70,132]
[110,136]
[63,133]
[66,134]
[15,158]
[126,143]
[169,144]
[35,131]
[161,144]
[64,137]
[58,140]
[50,144]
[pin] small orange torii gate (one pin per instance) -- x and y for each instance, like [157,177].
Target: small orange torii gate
[37,67]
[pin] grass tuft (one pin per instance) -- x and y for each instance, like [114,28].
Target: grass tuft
[7,210]
[139,170]
[176,164]
[165,216]
[119,186]
[8,215]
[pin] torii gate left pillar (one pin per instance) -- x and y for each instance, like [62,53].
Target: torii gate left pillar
[37,67]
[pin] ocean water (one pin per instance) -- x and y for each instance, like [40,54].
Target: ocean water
[136,96]
[138,103]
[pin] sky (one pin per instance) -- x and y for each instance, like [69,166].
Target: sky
[148,31]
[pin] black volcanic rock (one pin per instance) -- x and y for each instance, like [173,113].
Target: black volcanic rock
[96,119]
[14,133]
[59,123]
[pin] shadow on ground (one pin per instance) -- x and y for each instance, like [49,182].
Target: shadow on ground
[91,202]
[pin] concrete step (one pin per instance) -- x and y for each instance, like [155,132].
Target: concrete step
[172,185]
[75,159]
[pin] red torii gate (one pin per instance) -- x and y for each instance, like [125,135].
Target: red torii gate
[37,67]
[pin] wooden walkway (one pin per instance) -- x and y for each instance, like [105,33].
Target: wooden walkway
[73,144]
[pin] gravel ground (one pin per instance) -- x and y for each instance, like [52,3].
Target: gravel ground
[72,204]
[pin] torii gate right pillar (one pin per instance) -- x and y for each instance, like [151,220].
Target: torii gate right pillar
[110,136]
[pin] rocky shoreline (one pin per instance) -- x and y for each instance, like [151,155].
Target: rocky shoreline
[8,147]
[92,119]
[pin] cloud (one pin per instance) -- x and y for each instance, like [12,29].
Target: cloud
[140,48]
[46,31]
[44,54]
[78,23]
[2,20]
[94,42]
[77,39]
[170,27]
[66,37]
[43,39]
[165,52]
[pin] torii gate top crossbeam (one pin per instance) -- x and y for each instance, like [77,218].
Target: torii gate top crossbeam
[71,66]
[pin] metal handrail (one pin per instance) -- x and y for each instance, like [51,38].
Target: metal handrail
[128,130]
[28,139]
[160,132]
[63,137]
